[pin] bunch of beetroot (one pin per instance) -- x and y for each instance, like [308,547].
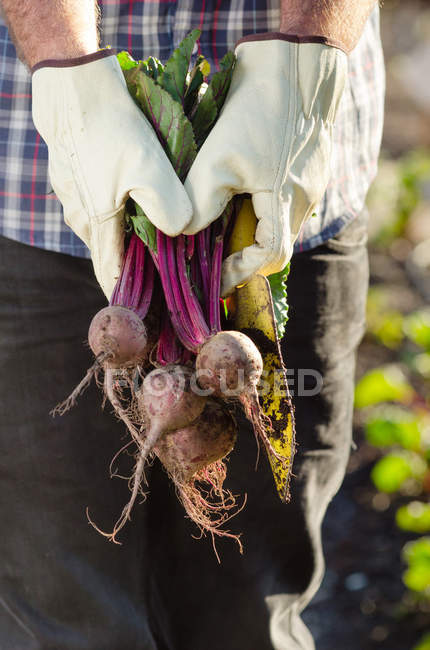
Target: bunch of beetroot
[170,371]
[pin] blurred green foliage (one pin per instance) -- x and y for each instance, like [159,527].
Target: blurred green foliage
[393,425]
[391,472]
[397,420]
[393,398]
[424,644]
[415,516]
[396,193]
[384,384]
[384,323]
[416,326]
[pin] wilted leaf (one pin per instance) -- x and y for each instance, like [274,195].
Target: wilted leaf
[383,384]
[415,516]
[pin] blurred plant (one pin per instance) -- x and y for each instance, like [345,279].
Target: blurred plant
[397,420]
[424,644]
[416,326]
[384,323]
[384,384]
[395,194]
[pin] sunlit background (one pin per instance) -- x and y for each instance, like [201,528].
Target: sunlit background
[376,593]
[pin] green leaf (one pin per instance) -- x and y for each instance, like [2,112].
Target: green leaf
[421,364]
[424,643]
[221,80]
[393,425]
[415,517]
[213,99]
[278,287]
[167,117]
[175,72]
[417,328]
[417,577]
[195,79]
[384,322]
[383,384]
[389,330]
[204,117]
[390,473]
[126,61]
[144,229]
[155,67]
[417,551]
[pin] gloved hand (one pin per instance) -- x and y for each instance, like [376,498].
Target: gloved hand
[273,141]
[101,151]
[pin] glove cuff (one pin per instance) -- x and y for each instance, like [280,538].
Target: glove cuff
[292,38]
[70,63]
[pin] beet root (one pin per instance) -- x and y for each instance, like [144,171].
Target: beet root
[118,339]
[193,457]
[119,336]
[230,365]
[187,451]
[167,402]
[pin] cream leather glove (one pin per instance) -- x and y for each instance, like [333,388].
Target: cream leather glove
[101,151]
[273,141]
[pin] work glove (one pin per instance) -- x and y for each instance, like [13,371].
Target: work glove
[101,151]
[272,140]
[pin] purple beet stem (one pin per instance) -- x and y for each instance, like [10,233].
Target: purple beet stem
[194,309]
[203,255]
[139,264]
[122,287]
[169,350]
[172,292]
[136,281]
[214,297]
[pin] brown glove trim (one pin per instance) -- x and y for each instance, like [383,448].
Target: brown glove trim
[292,38]
[70,63]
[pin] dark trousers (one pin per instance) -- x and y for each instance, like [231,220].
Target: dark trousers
[65,587]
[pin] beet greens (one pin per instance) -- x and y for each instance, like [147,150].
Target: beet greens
[172,99]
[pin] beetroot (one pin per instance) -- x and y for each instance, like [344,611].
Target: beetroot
[119,336]
[187,451]
[165,403]
[230,364]
[193,457]
[118,339]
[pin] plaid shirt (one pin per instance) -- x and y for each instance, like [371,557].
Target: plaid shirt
[31,213]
